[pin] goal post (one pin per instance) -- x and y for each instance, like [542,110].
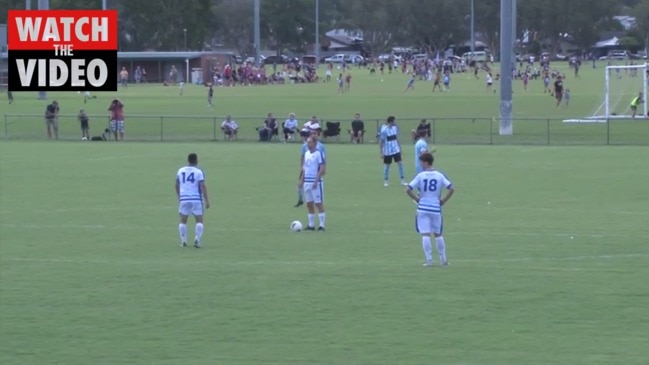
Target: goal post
[622,83]
[609,109]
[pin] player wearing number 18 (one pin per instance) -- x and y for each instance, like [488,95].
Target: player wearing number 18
[428,221]
[192,198]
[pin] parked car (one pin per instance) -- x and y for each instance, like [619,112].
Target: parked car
[616,55]
[386,57]
[353,58]
[279,60]
[339,58]
[251,60]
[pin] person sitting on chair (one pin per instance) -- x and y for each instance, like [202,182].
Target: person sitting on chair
[268,129]
[230,128]
[358,129]
[423,127]
[290,127]
[308,126]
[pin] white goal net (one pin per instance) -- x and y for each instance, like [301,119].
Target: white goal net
[622,85]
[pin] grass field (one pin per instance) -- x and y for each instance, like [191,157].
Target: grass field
[548,245]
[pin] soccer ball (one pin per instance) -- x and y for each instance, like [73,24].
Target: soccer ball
[84,138]
[296,226]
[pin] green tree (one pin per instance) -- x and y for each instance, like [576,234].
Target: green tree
[288,23]
[641,13]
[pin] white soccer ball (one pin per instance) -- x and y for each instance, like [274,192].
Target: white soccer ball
[296,226]
[84,138]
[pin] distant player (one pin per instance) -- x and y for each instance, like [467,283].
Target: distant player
[181,88]
[313,169]
[634,104]
[421,147]
[429,221]
[87,96]
[411,84]
[192,198]
[558,90]
[210,96]
[10,97]
[305,147]
[390,149]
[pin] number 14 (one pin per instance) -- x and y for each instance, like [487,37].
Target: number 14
[189,178]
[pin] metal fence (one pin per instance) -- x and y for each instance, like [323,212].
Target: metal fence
[475,131]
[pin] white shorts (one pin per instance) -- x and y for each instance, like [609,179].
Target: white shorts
[117,126]
[312,195]
[427,223]
[188,208]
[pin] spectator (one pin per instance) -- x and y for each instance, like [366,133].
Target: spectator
[290,127]
[358,129]
[116,109]
[268,129]
[52,119]
[423,127]
[230,128]
[308,127]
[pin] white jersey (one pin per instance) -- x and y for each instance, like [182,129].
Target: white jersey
[430,184]
[312,162]
[189,179]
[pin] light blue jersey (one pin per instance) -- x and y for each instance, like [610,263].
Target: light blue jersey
[389,135]
[420,147]
[320,147]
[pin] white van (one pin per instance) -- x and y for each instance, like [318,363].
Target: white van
[478,56]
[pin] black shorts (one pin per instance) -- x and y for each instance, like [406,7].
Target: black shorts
[84,125]
[388,159]
[634,107]
[558,95]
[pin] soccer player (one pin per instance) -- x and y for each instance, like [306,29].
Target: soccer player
[421,147]
[312,171]
[305,147]
[390,150]
[429,221]
[210,96]
[87,96]
[10,97]
[191,191]
[411,84]
[634,104]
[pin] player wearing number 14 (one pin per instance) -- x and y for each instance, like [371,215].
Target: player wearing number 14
[192,198]
[428,221]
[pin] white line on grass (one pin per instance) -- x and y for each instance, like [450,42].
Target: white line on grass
[264,230]
[392,262]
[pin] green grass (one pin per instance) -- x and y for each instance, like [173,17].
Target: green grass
[548,245]
[467,115]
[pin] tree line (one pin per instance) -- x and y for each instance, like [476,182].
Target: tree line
[173,25]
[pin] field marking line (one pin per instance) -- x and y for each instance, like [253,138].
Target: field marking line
[264,230]
[396,262]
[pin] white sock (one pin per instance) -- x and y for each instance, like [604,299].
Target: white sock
[199,232]
[311,220]
[428,249]
[321,218]
[182,229]
[441,248]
